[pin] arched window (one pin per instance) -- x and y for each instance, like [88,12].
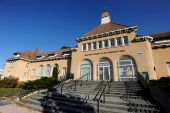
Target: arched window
[85,70]
[40,70]
[104,70]
[48,70]
[126,69]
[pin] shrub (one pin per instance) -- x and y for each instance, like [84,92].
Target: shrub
[8,82]
[43,82]
[56,71]
[20,84]
[163,83]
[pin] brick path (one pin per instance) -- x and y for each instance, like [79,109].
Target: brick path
[13,108]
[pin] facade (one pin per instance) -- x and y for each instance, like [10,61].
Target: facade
[1,73]
[111,51]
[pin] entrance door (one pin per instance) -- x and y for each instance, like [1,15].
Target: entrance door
[104,70]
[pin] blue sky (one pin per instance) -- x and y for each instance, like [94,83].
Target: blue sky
[51,24]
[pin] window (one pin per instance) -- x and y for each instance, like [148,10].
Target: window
[168,66]
[105,43]
[125,39]
[24,77]
[89,46]
[99,44]
[48,70]
[126,69]
[84,47]
[119,41]
[85,70]
[11,65]
[33,71]
[64,72]
[112,42]
[94,45]
[27,66]
[40,70]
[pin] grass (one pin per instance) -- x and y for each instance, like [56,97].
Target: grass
[9,92]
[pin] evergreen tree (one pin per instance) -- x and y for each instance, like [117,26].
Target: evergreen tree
[55,71]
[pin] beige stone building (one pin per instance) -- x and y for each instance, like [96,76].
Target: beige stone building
[111,51]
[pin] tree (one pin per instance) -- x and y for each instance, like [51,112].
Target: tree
[56,71]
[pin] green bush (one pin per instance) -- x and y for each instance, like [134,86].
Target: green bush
[163,83]
[20,84]
[8,82]
[43,82]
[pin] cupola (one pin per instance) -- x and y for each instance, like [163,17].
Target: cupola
[105,17]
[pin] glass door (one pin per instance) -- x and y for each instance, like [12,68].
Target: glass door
[104,73]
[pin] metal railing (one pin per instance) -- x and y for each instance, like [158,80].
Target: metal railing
[101,92]
[81,81]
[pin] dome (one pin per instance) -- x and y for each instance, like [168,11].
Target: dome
[105,14]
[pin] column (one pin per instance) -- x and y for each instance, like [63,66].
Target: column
[86,47]
[123,42]
[115,42]
[92,46]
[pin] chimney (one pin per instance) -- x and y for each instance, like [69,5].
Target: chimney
[37,51]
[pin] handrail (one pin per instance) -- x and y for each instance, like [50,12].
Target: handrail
[95,98]
[109,85]
[102,88]
[81,83]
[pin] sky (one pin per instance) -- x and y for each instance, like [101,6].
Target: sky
[51,24]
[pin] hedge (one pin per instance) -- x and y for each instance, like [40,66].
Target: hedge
[43,82]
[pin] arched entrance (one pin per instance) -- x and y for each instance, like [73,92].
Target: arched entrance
[104,70]
[85,70]
[126,69]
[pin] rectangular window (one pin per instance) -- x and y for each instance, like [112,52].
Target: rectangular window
[89,46]
[125,39]
[84,47]
[64,72]
[105,43]
[112,42]
[94,45]
[33,70]
[99,44]
[119,41]
[11,65]
[168,66]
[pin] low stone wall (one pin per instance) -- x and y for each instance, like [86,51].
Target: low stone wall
[161,96]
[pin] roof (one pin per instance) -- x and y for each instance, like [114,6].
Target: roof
[160,35]
[105,28]
[32,56]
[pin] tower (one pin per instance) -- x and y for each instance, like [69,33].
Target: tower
[105,17]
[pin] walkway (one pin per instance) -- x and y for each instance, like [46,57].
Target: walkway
[13,108]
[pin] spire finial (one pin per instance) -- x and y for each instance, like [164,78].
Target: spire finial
[105,5]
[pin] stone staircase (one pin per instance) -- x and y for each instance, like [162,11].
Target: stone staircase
[120,97]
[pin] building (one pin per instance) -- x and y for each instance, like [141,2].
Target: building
[111,51]
[1,73]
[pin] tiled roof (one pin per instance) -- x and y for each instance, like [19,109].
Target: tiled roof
[105,28]
[31,56]
[160,35]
